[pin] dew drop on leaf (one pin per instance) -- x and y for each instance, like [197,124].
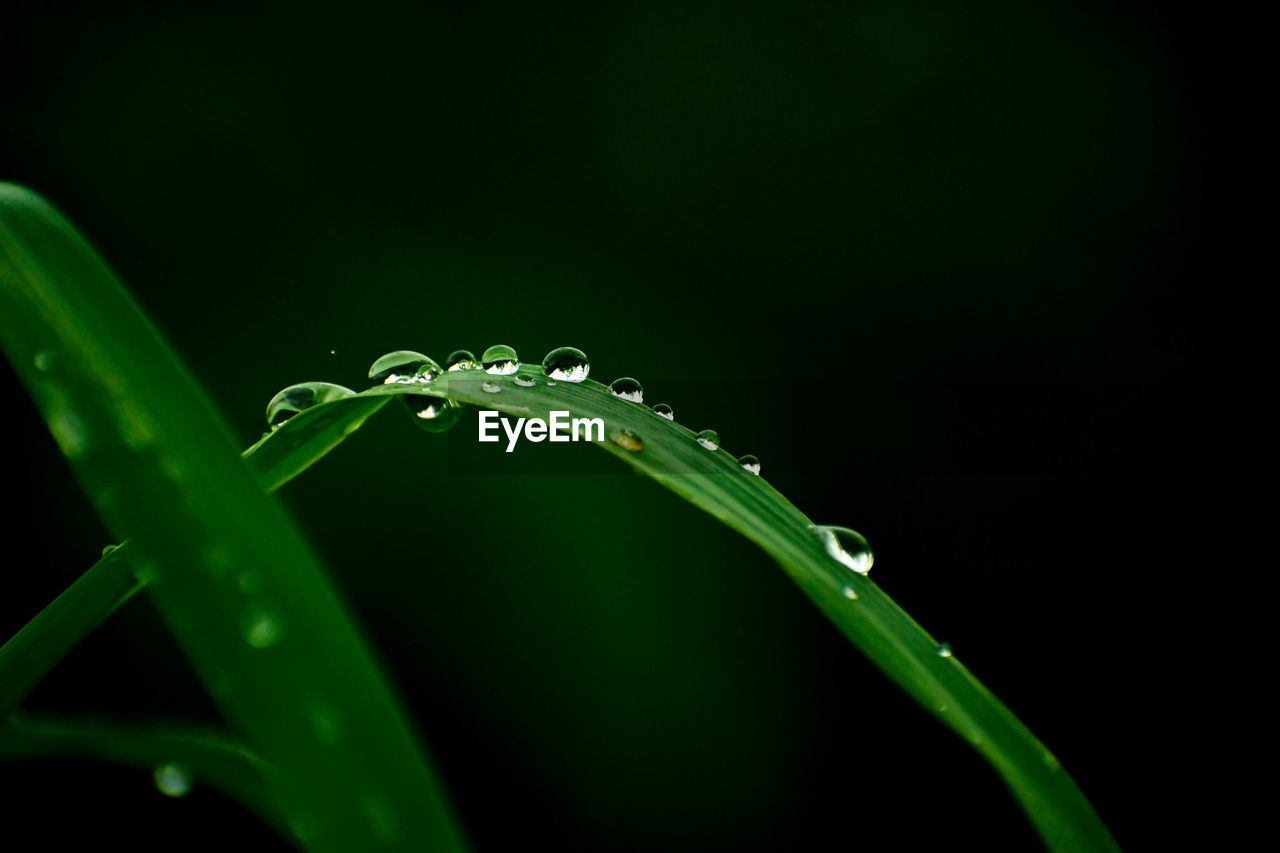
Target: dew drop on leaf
[626,439]
[490,387]
[566,364]
[628,389]
[750,464]
[461,359]
[709,439]
[525,383]
[500,360]
[403,367]
[300,397]
[262,628]
[849,592]
[943,650]
[433,414]
[173,780]
[847,546]
[662,410]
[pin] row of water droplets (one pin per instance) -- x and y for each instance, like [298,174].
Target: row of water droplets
[563,364]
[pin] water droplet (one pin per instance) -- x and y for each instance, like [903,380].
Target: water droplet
[847,546]
[490,387]
[43,361]
[626,439]
[326,723]
[173,780]
[628,389]
[300,397]
[433,414]
[262,628]
[107,549]
[943,650]
[333,352]
[500,360]
[381,818]
[461,359]
[525,383]
[403,367]
[250,583]
[849,592]
[219,559]
[750,464]
[662,410]
[567,364]
[710,439]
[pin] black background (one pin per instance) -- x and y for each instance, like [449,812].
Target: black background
[952,274]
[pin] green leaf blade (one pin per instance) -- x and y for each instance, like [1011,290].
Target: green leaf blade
[246,601]
[884,632]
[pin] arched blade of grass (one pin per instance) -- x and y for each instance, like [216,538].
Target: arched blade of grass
[247,603]
[213,759]
[716,482]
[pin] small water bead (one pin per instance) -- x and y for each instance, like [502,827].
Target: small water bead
[403,367]
[750,464]
[173,780]
[461,359]
[567,364]
[525,383]
[500,360]
[626,439]
[628,389]
[848,546]
[662,410]
[107,549]
[490,387]
[298,398]
[262,629]
[433,414]
[849,592]
[43,361]
[943,650]
[709,439]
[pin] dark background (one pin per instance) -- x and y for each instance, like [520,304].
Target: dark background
[984,237]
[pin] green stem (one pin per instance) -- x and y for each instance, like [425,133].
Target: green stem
[41,643]
[212,758]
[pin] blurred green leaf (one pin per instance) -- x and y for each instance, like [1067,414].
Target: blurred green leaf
[247,603]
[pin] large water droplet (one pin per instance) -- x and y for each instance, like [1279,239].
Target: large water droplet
[403,367]
[500,360]
[461,359]
[710,439]
[300,397]
[262,628]
[847,546]
[628,389]
[566,364]
[662,410]
[173,780]
[626,439]
[433,414]
[750,464]
[490,387]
